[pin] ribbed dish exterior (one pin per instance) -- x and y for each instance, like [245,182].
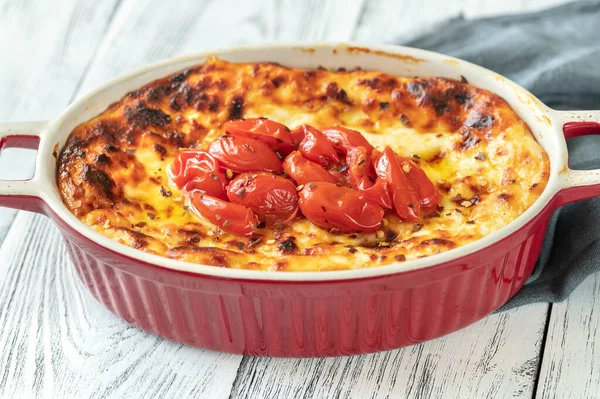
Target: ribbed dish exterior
[268,318]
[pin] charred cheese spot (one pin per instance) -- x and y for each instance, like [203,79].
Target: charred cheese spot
[112,172]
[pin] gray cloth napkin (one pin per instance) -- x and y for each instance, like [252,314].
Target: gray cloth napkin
[555,54]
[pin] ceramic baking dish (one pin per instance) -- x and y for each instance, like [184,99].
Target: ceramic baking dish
[307,313]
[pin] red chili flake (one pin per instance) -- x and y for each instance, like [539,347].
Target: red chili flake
[254,241]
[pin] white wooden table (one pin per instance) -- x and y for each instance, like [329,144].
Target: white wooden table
[57,341]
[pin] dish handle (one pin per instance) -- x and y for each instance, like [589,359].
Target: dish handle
[21,194]
[579,184]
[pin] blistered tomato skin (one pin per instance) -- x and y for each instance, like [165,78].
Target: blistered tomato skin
[274,134]
[272,198]
[303,171]
[379,193]
[198,170]
[361,173]
[297,136]
[233,218]
[362,177]
[344,139]
[429,195]
[243,154]
[316,147]
[339,208]
[407,203]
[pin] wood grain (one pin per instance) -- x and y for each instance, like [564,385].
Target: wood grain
[571,357]
[392,21]
[42,64]
[495,358]
[202,25]
[58,340]
[6,218]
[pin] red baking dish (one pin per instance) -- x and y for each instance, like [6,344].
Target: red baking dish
[308,313]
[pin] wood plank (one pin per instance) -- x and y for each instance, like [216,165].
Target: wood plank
[497,357]
[69,344]
[486,8]
[391,21]
[58,340]
[571,358]
[388,21]
[6,219]
[42,64]
[202,25]
[494,358]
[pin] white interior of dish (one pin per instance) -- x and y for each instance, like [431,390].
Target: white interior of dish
[543,123]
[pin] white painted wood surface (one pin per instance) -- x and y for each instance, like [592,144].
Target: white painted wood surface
[495,358]
[571,357]
[391,20]
[57,341]
[41,65]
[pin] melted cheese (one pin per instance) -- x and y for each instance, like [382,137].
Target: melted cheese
[482,157]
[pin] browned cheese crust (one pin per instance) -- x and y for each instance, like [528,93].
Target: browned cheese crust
[479,153]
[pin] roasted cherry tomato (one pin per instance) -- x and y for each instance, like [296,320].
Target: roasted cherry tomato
[332,207]
[275,135]
[272,198]
[243,154]
[343,139]
[379,193]
[362,177]
[405,197]
[233,218]
[361,173]
[303,171]
[315,147]
[198,170]
[297,136]
[340,174]
[429,195]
